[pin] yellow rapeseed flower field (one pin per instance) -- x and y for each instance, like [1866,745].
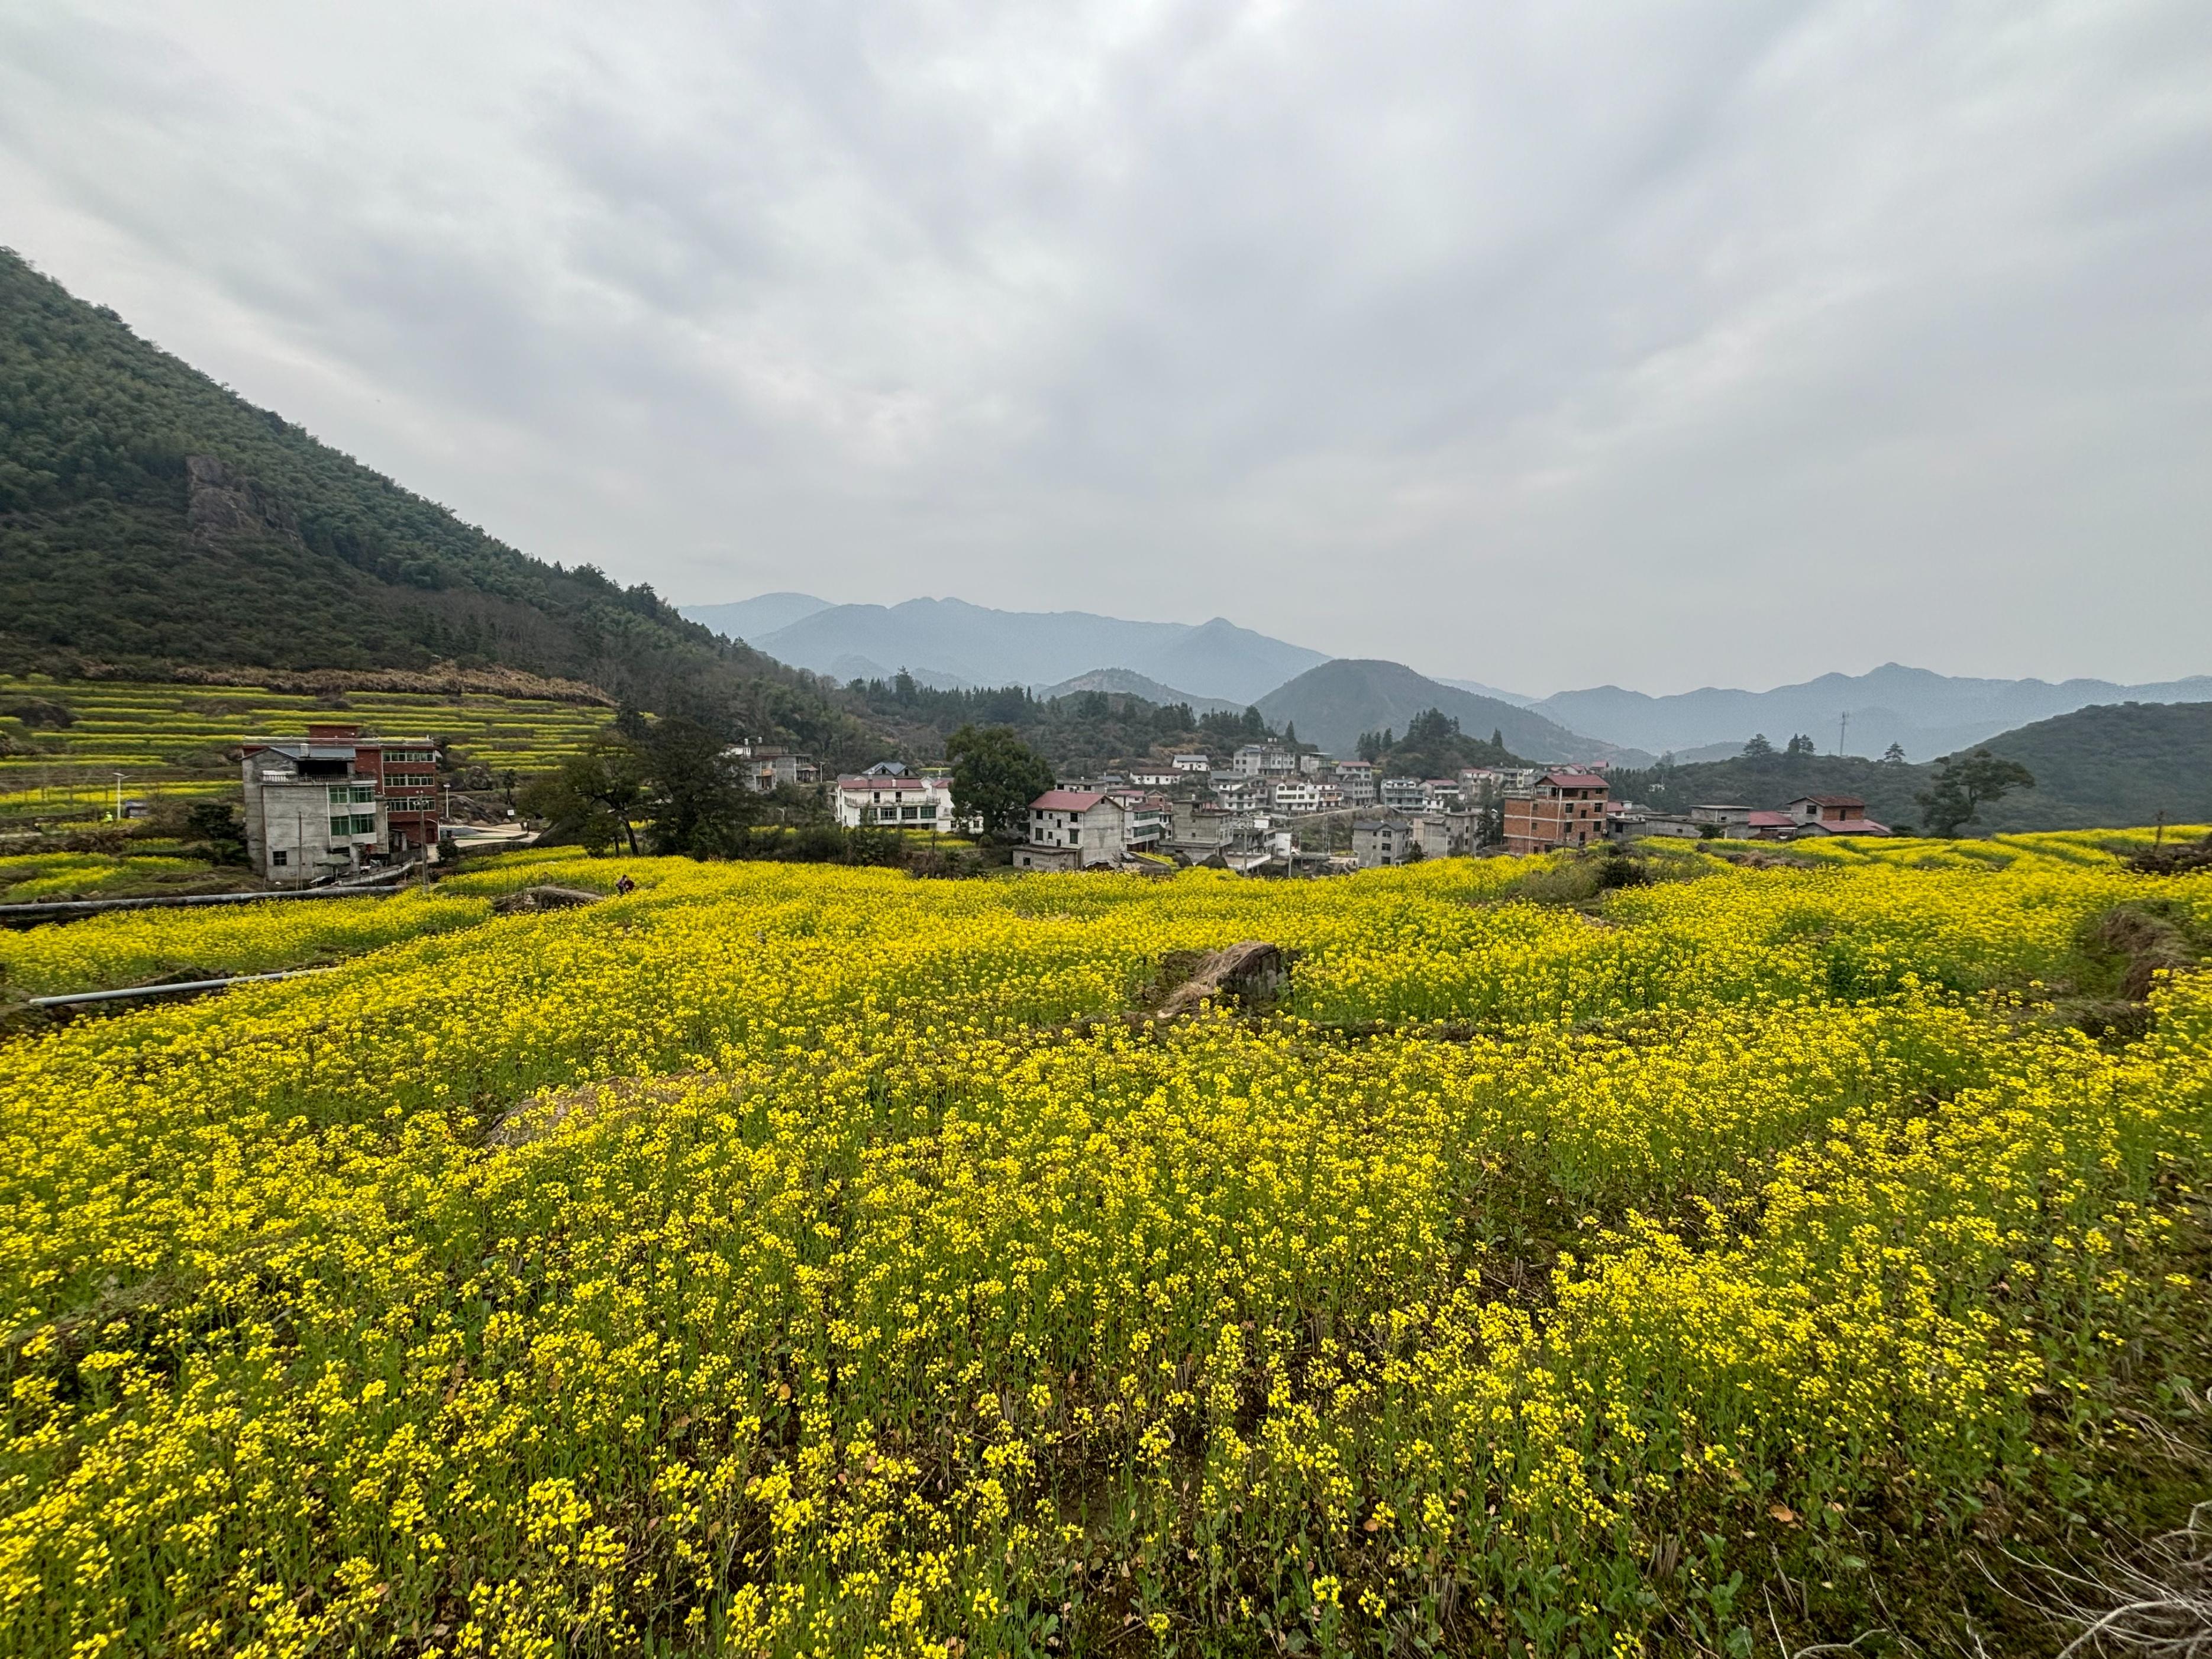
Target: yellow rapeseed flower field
[784,1260]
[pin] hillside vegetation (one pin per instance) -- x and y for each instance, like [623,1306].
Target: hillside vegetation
[77,735]
[151,519]
[1333,705]
[781,1259]
[2118,764]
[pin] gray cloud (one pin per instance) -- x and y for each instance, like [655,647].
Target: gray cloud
[1546,344]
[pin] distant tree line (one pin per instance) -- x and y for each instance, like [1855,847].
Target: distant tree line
[1433,746]
[1081,732]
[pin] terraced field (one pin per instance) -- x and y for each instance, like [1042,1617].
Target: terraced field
[168,737]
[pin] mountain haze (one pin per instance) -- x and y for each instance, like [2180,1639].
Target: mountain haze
[1334,703]
[981,646]
[1927,713]
[749,618]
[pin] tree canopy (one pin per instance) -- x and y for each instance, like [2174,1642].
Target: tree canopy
[995,776]
[1963,785]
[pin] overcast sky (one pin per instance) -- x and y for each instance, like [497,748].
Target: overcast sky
[1546,344]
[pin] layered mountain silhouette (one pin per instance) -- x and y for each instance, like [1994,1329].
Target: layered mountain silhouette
[1332,705]
[1926,713]
[953,639]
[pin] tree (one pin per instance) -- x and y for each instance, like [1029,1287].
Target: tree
[1497,738]
[1430,727]
[1894,756]
[1757,747]
[1962,787]
[1799,745]
[595,794]
[213,823]
[995,776]
[699,806]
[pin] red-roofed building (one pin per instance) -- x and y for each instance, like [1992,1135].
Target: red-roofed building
[1071,828]
[1768,826]
[1832,815]
[1561,809]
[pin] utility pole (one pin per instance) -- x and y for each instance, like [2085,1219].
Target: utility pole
[119,796]
[1843,732]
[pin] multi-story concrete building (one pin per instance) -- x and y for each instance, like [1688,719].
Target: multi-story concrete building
[1378,842]
[1193,763]
[1355,780]
[763,767]
[1402,794]
[901,801]
[1074,828]
[1562,809]
[334,802]
[1238,794]
[1445,835]
[1296,795]
[1256,760]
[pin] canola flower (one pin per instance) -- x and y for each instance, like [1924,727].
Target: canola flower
[786,1260]
[136,947]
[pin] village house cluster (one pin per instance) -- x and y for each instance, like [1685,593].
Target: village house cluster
[1266,808]
[334,803]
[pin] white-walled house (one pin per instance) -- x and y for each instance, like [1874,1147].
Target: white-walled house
[1381,840]
[1071,828]
[1403,794]
[906,801]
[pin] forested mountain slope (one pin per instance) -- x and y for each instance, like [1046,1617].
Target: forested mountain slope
[1332,705]
[152,520]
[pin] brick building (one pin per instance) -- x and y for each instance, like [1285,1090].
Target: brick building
[334,801]
[1561,809]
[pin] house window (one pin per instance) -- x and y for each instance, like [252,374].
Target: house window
[280,858]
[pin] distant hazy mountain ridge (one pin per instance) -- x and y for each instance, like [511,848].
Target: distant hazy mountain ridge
[749,618]
[984,647]
[2108,765]
[1927,713]
[1333,704]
